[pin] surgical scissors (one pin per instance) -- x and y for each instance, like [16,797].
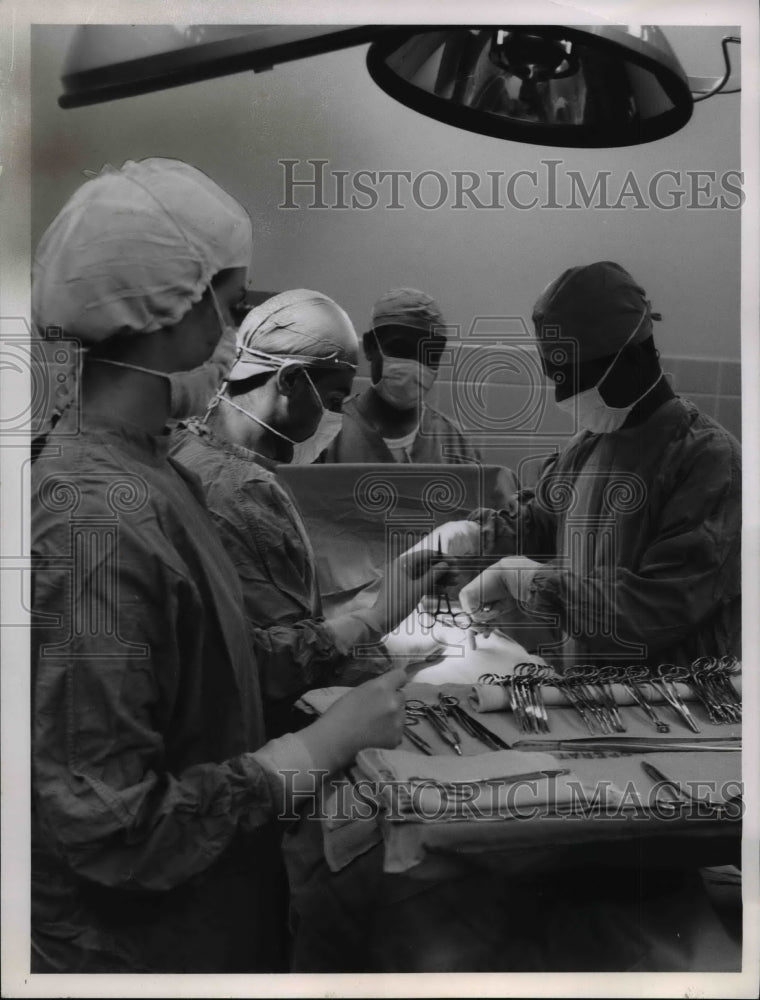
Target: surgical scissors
[709,679]
[523,691]
[630,678]
[605,678]
[451,706]
[444,614]
[668,673]
[416,710]
[577,680]
[527,680]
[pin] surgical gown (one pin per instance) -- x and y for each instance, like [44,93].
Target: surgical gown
[639,532]
[153,846]
[264,534]
[668,494]
[438,442]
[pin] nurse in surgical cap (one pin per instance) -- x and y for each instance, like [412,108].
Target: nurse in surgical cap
[391,420]
[155,795]
[282,403]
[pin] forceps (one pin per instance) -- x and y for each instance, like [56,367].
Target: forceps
[528,678]
[417,710]
[668,673]
[451,706]
[444,614]
[630,678]
[416,740]
[709,679]
[679,793]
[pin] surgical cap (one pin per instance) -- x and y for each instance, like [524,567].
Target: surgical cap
[134,249]
[598,306]
[407,307]
[298,326]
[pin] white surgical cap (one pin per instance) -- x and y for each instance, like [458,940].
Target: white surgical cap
[134,249]
[298,326]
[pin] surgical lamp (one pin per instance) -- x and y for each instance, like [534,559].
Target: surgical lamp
[590,86]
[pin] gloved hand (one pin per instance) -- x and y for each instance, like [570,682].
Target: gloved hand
[502,587]
[370,715]
[457,538]
[406,581]
[412,645]
[518,572]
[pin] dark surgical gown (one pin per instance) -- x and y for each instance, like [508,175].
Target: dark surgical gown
[438,442]
[640,535]
[259,523]
[153,846]
[669,494]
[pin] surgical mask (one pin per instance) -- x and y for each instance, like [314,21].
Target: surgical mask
[404,382]
[328,428]
[593,413]
[191,391]
[304,452]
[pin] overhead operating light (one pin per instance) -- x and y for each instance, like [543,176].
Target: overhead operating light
[110,61]
[553,85]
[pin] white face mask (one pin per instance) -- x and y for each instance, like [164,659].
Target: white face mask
[592,412]
[328,428]
[191,391]
[304,452]
[404,382]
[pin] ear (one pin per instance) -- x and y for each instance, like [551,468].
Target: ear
[369,343]
[288,379]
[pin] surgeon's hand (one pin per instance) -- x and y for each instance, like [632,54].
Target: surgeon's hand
[497,599]
[501,588]
[456,538]
[406,581]
[371,715]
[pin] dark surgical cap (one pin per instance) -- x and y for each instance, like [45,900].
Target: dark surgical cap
[407,307]
[598,306]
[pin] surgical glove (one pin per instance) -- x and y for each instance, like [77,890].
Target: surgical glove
[518,572]
[406,581]
[502,587]
[370,715]
[456,538]
[489,599]
[412,645]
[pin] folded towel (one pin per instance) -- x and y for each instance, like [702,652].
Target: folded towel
[317,702]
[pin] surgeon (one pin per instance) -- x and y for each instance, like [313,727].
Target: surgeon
[631,546]
[391,421]
[154,792]
[281,404]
